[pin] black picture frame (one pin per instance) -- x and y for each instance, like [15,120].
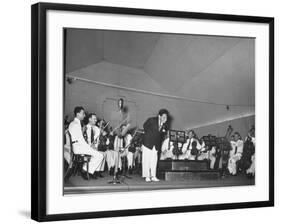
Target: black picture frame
[38,115]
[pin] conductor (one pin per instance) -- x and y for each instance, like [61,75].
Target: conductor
[154,127]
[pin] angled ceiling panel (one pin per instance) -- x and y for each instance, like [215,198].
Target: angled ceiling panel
[183,56]
[229,80]
[128,48]
[83,47]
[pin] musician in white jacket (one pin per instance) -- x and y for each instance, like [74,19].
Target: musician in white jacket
[204,154]
[93,133]
[167,149]
[67,147]
[130,155]
[187,146]
[235,153]
[80,146]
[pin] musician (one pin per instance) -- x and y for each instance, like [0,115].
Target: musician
[130,154]
[177,149]
[250,138]
[167,148]
[191,144]
[93,135]
[203,153]
[251,170]
[213,156]
[92,131]
[138,153]
[66,147]
[80,146]
[154,128]
[120,116]
[235,153]
[111,154]
[119,146]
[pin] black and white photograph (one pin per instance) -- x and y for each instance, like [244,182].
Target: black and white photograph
[150,111]
[140,111]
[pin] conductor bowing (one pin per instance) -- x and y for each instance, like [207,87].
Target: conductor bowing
[153,130]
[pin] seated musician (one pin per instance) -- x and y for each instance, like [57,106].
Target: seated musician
[187,152]
[213,156]
[204,152]
[66,147]
[167,148]
[251,170]
[129,146]
[93,135]
[137,154]
[80,146]
[111,154]
[252,144]
[235,153]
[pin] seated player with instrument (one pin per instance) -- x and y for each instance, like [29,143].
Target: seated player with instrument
[235,153]
[80,146]
[93,138]
[204,152]
[138,153]
[130,151]
[167,148]
[213,156]
[191,147]
[131,145]
[250,142]
[66,147]
[177,149]
[111,154]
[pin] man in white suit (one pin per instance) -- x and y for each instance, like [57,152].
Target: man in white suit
[80,146]
[167,149]
[93,133]
[186,148]
[235,153]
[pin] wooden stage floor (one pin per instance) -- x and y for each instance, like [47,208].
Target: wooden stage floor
[76,185]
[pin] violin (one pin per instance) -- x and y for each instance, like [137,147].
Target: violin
[102,137]
[133,144]
[176,150]
[102,143]
[194,151]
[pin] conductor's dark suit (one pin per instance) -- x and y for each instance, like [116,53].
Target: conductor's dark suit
[152,135]
[151,147]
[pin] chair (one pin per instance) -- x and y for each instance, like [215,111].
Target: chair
[77,161]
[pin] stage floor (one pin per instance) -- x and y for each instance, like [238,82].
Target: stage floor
[76,185]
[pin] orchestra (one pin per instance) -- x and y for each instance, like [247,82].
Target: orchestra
[122,148]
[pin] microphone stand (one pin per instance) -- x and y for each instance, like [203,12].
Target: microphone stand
[115,179]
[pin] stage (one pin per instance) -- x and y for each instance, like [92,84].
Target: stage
[77,185]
